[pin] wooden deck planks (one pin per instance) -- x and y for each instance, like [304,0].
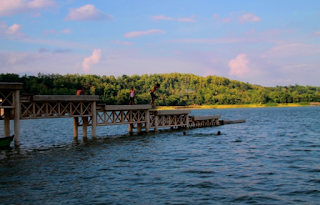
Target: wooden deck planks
[66,98]
[127,107]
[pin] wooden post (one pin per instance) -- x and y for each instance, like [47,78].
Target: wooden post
[130,128]
[6,122]
[75,127]
[217,122]
[17,118]
[94,119]
[84,126]
[156,123]
[187,121]
[139,125]
[147,121]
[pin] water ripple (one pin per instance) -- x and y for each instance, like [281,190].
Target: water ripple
[271,159]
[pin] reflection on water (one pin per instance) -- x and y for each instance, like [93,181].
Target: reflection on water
[273,158]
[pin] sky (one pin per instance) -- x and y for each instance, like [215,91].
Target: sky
[268,43]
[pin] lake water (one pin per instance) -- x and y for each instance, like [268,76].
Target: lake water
[273,158]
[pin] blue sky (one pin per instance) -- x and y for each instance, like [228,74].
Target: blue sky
[267,43]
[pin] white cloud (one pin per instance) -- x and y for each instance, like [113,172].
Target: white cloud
[93,59]
[249,17]
[134,34]
[125,43]
[13,7]
[239,65]
[31,63]
[167,18]
[15,28]
[188,19]
[13,31]
[87,13]
[66,31]
[161,17]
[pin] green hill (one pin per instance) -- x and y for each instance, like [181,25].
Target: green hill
[177,89]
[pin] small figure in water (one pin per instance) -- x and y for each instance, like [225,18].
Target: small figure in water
[218,133]
[80,91]
[153,96]
[184,133]
[132,94]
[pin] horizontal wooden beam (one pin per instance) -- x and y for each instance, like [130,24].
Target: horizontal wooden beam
[65,98]
[172,112]
[10,86]
[127,107]
[207,117]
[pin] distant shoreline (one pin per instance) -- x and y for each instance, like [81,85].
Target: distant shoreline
[195,107]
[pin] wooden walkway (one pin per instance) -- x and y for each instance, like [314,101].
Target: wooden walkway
[85,112]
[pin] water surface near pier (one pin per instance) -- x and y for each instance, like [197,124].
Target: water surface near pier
[273,158]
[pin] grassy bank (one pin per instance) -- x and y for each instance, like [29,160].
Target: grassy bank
[233,106]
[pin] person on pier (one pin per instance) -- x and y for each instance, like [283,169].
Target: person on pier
[132,94]
[153,96]
[80,91]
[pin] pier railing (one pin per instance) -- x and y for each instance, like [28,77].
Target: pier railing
[85,112]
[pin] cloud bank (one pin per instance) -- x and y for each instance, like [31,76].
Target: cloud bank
[239,65]
[91,60]
[167,18]
[87,13]
[134,34]
[249,17]
[13,7]
[161,17]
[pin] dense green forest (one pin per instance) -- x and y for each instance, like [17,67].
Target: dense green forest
[176,89]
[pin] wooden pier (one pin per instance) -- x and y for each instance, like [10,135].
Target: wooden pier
[85,112]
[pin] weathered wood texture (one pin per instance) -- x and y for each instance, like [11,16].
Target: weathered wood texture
[175,119]
[204,121]
[121,117]
[7,98]
[171,112]
[205,117]
[10,86]
[32,110]
[225,122]
[65,98]
[126,107]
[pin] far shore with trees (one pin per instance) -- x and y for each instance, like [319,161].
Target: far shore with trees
[177,89]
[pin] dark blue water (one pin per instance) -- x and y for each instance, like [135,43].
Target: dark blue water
[273,158]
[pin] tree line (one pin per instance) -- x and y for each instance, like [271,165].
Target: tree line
[177,89]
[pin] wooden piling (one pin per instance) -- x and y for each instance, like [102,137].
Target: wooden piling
[147,128]
[130,128]
[217,122]
[187,121]
[139,126]
[17,117]
[84,126]
[94,119]
[75,127]
[156,123]
[6,122]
